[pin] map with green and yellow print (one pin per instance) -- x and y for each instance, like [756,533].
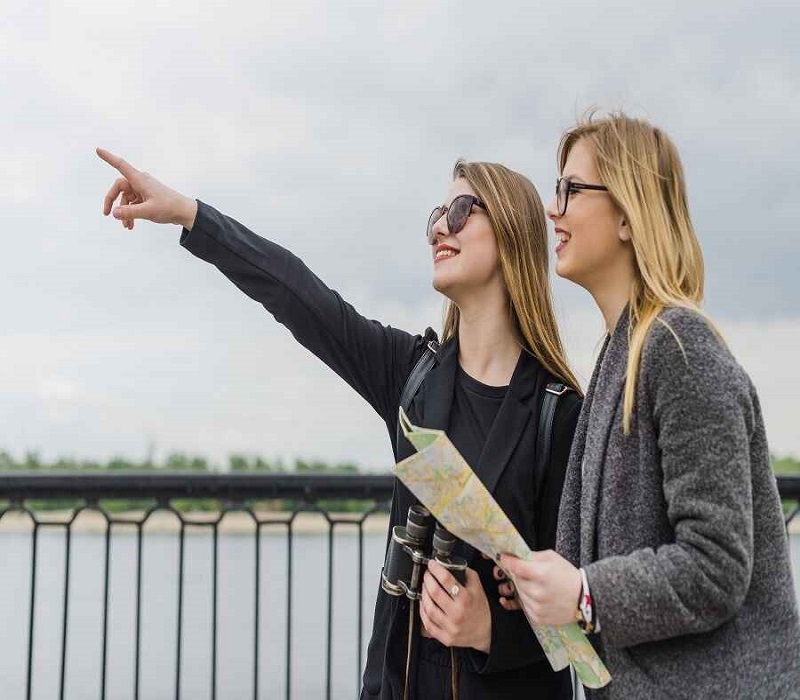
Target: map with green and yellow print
[446,485]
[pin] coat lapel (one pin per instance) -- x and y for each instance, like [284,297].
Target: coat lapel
[512,418]
[429,409]
[601,408]
[510,423]
[569,512]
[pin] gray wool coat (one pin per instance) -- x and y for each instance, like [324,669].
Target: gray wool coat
[678,524]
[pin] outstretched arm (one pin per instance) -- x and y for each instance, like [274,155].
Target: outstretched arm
[372,358]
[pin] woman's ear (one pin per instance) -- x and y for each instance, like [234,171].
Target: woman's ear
[624,231]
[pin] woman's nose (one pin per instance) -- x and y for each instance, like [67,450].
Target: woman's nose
[439,228]
[552,209]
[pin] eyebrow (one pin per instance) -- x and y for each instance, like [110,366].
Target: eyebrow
[574,178]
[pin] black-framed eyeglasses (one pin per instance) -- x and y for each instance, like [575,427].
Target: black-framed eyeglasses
[457,214]
[565,187]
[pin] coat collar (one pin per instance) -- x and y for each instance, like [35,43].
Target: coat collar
[569,516]
[513,417]
[602,406]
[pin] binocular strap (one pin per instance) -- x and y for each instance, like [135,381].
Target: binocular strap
[453,657]
[454,673]
[411,616]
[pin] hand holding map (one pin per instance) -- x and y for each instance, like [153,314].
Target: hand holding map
[446,485]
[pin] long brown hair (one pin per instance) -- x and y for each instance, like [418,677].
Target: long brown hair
[642,170]
[517,217]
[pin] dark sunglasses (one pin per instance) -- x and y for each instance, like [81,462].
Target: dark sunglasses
[457,214]
[565,187]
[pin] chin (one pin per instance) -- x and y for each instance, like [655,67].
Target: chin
[566,271]
[562,270]
[441,284]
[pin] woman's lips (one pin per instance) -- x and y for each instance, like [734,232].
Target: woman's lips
[563,238]
[443,252]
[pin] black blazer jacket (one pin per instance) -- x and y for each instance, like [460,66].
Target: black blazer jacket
[376,360]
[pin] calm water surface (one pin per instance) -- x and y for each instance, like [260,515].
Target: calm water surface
[159,613]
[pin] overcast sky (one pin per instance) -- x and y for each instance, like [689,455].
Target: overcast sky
[332,128]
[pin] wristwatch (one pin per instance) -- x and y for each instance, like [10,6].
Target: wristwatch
[584,614]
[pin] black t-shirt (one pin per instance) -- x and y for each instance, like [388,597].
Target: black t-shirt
[475,406]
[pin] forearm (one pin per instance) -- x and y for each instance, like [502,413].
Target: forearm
[650,595]
[372,358]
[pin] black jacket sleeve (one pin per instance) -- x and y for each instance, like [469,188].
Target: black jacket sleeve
[372,358]
[513,642]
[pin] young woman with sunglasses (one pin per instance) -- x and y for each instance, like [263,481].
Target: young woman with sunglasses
[671,542]
[500,349]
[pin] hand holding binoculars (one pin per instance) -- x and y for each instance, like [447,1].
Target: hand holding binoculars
[412,547]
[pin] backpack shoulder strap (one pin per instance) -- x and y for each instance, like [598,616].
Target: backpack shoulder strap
[544,437]
[415,379]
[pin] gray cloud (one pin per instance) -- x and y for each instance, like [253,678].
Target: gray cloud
[332,128]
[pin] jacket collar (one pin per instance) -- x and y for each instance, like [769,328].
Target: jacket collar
[512,418]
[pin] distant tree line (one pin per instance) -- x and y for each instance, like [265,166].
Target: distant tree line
[235,463]
[181,463]
[174,462]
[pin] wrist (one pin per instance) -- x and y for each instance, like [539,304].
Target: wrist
[484,643]
[188,213]
[586,612]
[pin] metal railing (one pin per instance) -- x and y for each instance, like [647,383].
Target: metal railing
[236,492]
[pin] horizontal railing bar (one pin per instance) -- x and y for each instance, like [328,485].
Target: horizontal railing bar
[18,485]
[233,486]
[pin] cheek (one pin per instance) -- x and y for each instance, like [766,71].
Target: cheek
[491,256]
[486,261]
[594,244]
[597,225]
[485,248]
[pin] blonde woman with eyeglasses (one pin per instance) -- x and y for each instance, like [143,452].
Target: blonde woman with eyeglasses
[672,551]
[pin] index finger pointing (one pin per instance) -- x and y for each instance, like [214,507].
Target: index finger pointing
[117,162]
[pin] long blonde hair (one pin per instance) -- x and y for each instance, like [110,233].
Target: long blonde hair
[516,214]
[642,170]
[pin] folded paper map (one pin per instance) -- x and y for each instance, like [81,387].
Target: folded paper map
[446,485]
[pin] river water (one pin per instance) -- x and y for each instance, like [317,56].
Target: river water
[159,612]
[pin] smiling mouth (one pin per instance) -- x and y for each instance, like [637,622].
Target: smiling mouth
[445,253]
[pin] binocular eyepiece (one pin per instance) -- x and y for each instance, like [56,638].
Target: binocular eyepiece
[410,549]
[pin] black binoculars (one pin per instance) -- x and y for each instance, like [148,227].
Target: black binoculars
[412,547]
